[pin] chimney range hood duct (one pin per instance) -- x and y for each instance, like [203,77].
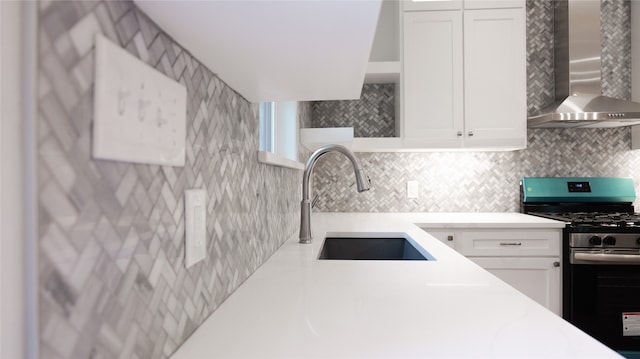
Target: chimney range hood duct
[578,53]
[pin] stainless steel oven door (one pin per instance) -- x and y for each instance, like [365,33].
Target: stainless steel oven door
[605,256]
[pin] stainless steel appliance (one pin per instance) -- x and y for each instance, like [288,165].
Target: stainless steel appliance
[601,253]
[578,82]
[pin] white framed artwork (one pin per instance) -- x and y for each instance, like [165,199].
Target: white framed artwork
[140,115]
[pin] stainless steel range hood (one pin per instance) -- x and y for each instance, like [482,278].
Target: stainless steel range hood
[578,81]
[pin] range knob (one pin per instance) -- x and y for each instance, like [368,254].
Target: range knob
[609,240]
[595,240]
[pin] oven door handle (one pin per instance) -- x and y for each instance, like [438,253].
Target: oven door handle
[607,258]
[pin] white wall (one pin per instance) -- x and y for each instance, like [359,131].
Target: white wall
[14,302]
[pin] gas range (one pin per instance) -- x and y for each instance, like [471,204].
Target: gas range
[601,207]
[600,252]
[581,201]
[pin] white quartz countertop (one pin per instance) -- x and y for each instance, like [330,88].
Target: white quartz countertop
[296,306]
[478,220]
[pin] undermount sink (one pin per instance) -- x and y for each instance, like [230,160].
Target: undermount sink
[372,248]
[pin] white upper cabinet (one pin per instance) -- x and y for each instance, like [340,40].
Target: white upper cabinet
[495,103]
[433,82]
[276,50]
[464,77]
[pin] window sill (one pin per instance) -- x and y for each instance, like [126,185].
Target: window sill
[275,160]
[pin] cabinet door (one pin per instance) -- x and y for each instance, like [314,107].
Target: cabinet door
[495,78]
[537,278]
[432,77]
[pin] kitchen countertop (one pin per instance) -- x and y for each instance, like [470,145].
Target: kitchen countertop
[479,220]
[297,306]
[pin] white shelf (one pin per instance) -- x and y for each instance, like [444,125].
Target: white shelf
[313,138]
[381,72]
[376,144]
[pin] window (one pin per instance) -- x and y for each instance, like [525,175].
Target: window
[267,114]
[279,134]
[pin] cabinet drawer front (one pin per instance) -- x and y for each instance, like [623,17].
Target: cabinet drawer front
[510,243]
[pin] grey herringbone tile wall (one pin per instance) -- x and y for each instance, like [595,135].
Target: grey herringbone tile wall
[540,76]
[473,181]
[112,277]
[615,21]
[488,181]
[373,115]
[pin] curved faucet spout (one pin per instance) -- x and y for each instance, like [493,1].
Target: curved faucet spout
[362,182]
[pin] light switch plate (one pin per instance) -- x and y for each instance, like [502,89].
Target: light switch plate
[139,113]
[195,216]
[412,189]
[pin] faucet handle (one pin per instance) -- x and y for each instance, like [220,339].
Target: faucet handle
[315,201]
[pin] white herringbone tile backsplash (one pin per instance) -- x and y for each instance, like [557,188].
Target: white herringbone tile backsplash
[473,181]
[111,235]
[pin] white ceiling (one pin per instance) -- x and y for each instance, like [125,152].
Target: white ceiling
[276,50]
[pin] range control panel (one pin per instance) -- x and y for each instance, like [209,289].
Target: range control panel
[579,186]
[578,190]
[620,240]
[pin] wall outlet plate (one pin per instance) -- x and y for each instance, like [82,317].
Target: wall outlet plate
[412,189]
[140,115]
[195,216]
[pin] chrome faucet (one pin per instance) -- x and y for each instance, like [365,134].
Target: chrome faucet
[362,181]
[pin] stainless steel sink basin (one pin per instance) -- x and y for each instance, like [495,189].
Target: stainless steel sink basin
[367,248]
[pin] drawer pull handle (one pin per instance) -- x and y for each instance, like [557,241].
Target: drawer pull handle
[510,243]
[449,238]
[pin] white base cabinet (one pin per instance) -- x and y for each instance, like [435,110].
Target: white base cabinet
[527,259]
[536,277]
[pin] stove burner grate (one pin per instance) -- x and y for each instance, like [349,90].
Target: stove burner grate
[596,219]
